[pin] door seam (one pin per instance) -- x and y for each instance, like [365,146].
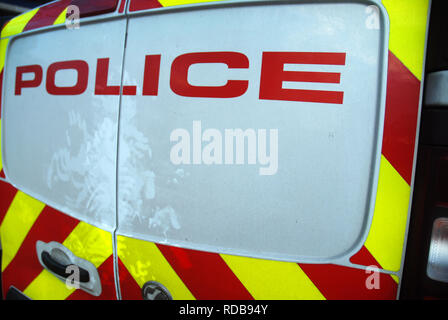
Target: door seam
[114,233]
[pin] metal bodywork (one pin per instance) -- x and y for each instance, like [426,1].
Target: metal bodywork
[337,203]
[324,187]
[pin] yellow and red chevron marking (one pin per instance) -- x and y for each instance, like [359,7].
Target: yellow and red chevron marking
[384,244]
[55,13]
[191,274]
[138,5]
[24,221]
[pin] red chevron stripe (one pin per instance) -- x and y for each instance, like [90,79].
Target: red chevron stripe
[106,273]
[138,5]
[46,15]
[205,274]
[130,290]
[341,283]
[364,258]
[122,6]
[400,124]
[51,225]
[89,8]
[7,194]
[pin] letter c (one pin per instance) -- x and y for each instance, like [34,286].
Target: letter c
[233,88]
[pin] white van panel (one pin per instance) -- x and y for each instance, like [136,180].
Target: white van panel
[61,149]
[318,203]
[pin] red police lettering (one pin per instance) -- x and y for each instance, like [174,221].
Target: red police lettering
[82,70]
[101,85]
[151,75]
[273,75]
[20,83]
[271,78]
[233,88]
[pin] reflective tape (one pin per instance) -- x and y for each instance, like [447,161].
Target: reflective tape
[3,46]
[18,221]
[61,18]
[16,25]
[145,262]
[408,21]
[272,280]
[51,225]
[386,236]
[86,242]
[47,14]
[170,3]
[339,282]
[206,277]
[205,274]
[1,159]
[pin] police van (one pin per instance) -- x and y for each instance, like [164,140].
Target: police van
[240,149]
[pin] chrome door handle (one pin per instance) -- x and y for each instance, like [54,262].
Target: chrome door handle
[64,265]
[61,269]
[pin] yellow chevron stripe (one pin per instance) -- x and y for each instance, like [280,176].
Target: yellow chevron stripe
[3,46]
[19,219]
[408,20]
[86,242]
[61,18]
[396,279]
[90,243]
[16,25]
[386,236]
[47,287]
[169,3]
[145,262]
[273,280]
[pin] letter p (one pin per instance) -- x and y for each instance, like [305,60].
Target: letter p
[21,83]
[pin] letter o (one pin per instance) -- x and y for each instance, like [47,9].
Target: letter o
[82,69]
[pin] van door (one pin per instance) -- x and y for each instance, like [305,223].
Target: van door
[61,94]
[250,149]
